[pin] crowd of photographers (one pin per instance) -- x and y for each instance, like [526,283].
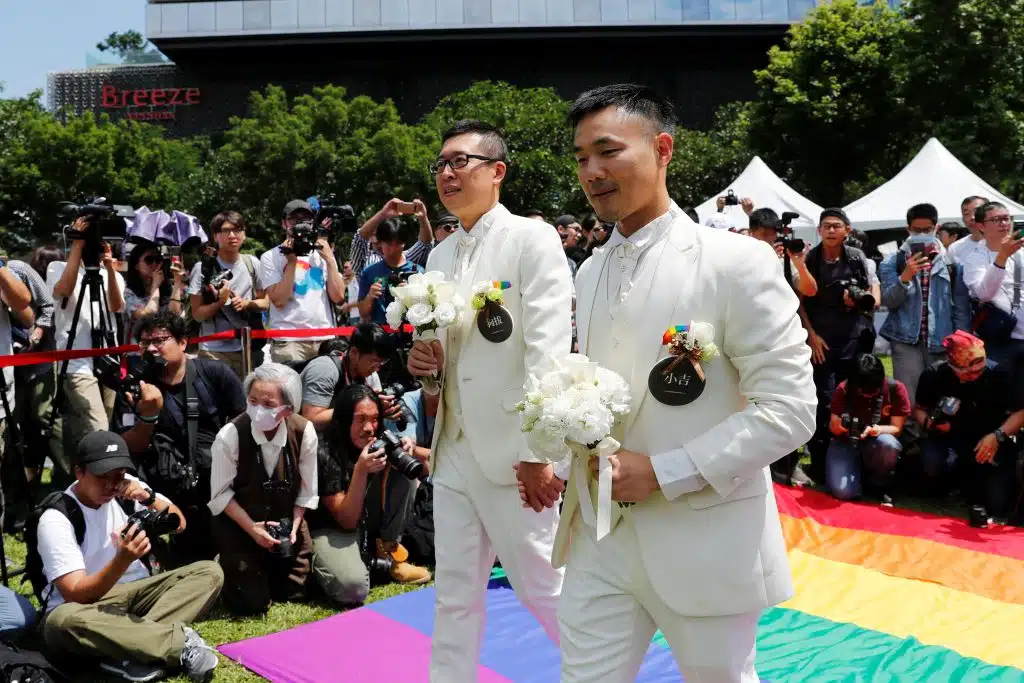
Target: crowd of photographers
[180,477]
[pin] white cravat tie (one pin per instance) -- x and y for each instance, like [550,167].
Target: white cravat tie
[466,244]
[627,255]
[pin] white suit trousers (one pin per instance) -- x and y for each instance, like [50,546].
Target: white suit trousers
[474,519]
[609,612]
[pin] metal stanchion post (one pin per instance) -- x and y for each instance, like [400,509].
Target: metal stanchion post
[247,350]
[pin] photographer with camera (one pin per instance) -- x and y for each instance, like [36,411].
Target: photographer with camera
[838,319]
[766,226]
[87,563]
[366,492]
[369,348]
[970,411]
[88,406]
[363,252]
[226,291]
[146,287]
[868,414]
[376,281]
[926,297]
[171,421]
[263,481]
[303,281]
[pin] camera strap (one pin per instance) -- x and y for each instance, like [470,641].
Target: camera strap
[1015,302]
[191,412]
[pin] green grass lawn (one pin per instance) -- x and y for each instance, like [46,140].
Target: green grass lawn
[220,627]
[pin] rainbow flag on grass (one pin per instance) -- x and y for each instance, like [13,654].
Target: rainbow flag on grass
[884,594]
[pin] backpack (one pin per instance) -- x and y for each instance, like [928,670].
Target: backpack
[25,666]
[67,506]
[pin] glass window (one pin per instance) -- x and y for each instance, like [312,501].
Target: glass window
[560,12]
[229,17]
[641,10]
[798,9]
[533,12]
[154,16]
[284,14]
[477,12]
[449,12]
[394,12]
[202,17]
[775,10]
[668,10]
[339,12]
[422,12]
[255,15]
[697,10]
[748,10]
[614,11]
[366,12]
[723,10]
[312,13]
[505,12]
[175,19]
[586,11]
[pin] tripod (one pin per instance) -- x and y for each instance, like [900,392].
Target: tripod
[13,436]
[102,336]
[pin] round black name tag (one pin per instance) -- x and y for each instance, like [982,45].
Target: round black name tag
[675,387]
[495,323]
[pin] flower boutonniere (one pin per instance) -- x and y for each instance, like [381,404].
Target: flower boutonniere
[680,379]
[492,318]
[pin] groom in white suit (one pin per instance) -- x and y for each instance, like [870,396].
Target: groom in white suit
[701,553]
[477,435]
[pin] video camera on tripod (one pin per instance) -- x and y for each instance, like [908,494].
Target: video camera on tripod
[102,219]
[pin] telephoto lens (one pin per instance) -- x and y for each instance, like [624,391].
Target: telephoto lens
[399,460]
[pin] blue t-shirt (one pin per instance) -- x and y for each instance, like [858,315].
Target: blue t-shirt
[378,271]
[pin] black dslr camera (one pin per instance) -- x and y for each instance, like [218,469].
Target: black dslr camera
[731,199]
[283,534]
[103,220]
[862,299]
[304,237]
[399,460]
[148,370]
[212,285]
[153,522]
[790,243]
[853,426]
[397,390]
[944,411]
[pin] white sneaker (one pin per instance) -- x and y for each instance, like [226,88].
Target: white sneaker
[133,671]
[197,658]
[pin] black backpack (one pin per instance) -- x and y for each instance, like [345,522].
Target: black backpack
[67,506]
[25,666]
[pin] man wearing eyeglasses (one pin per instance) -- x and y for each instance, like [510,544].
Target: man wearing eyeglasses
[170,426]
[477,437]
[968,438]
[446,224]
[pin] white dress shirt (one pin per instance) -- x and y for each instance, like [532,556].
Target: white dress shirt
[224,469]
[989,283]
[676,473]
[965,246]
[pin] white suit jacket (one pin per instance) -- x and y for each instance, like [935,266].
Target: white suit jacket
[720,550]
[528,254]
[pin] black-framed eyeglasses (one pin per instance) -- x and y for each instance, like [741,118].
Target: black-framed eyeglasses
[457,162]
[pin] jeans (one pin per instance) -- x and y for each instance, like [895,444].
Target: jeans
[909,361]
[991,485]
[847,463]
[17,614]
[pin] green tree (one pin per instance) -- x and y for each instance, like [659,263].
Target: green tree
[830,107]
[542,170]
[705,161]
[131,47]
[965,81]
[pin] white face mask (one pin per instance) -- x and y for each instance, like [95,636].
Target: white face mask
[264,419]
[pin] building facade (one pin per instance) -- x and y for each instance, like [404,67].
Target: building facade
[700,53]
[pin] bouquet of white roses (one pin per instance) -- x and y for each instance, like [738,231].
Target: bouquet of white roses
[427,302]
[572,408]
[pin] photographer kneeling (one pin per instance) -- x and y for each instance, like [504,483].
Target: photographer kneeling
[170,426]
[366,494]
[100,599]
[868,414]
[264,478]
[970,409]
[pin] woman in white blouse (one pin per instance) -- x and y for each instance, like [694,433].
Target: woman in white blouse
[263,479]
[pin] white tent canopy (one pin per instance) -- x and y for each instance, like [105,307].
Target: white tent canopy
[935,177]
[767,190]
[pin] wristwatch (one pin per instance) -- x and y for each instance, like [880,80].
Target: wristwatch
[149,501]
[1000,435]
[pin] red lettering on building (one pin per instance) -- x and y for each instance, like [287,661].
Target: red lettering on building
[109,94]
[159,97]
[112,98]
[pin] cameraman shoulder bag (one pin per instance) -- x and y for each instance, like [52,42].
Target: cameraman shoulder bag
[167,469]
[993,324]
[26,666]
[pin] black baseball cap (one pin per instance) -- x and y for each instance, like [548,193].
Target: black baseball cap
[297,205]
[447,219]
[102,452]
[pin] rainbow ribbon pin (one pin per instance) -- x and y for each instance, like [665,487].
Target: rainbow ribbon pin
[501,284]
[671,333]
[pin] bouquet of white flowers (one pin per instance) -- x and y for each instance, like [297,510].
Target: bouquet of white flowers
[430,304]
[572,408]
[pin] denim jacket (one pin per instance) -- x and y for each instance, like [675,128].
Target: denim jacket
[946,314]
